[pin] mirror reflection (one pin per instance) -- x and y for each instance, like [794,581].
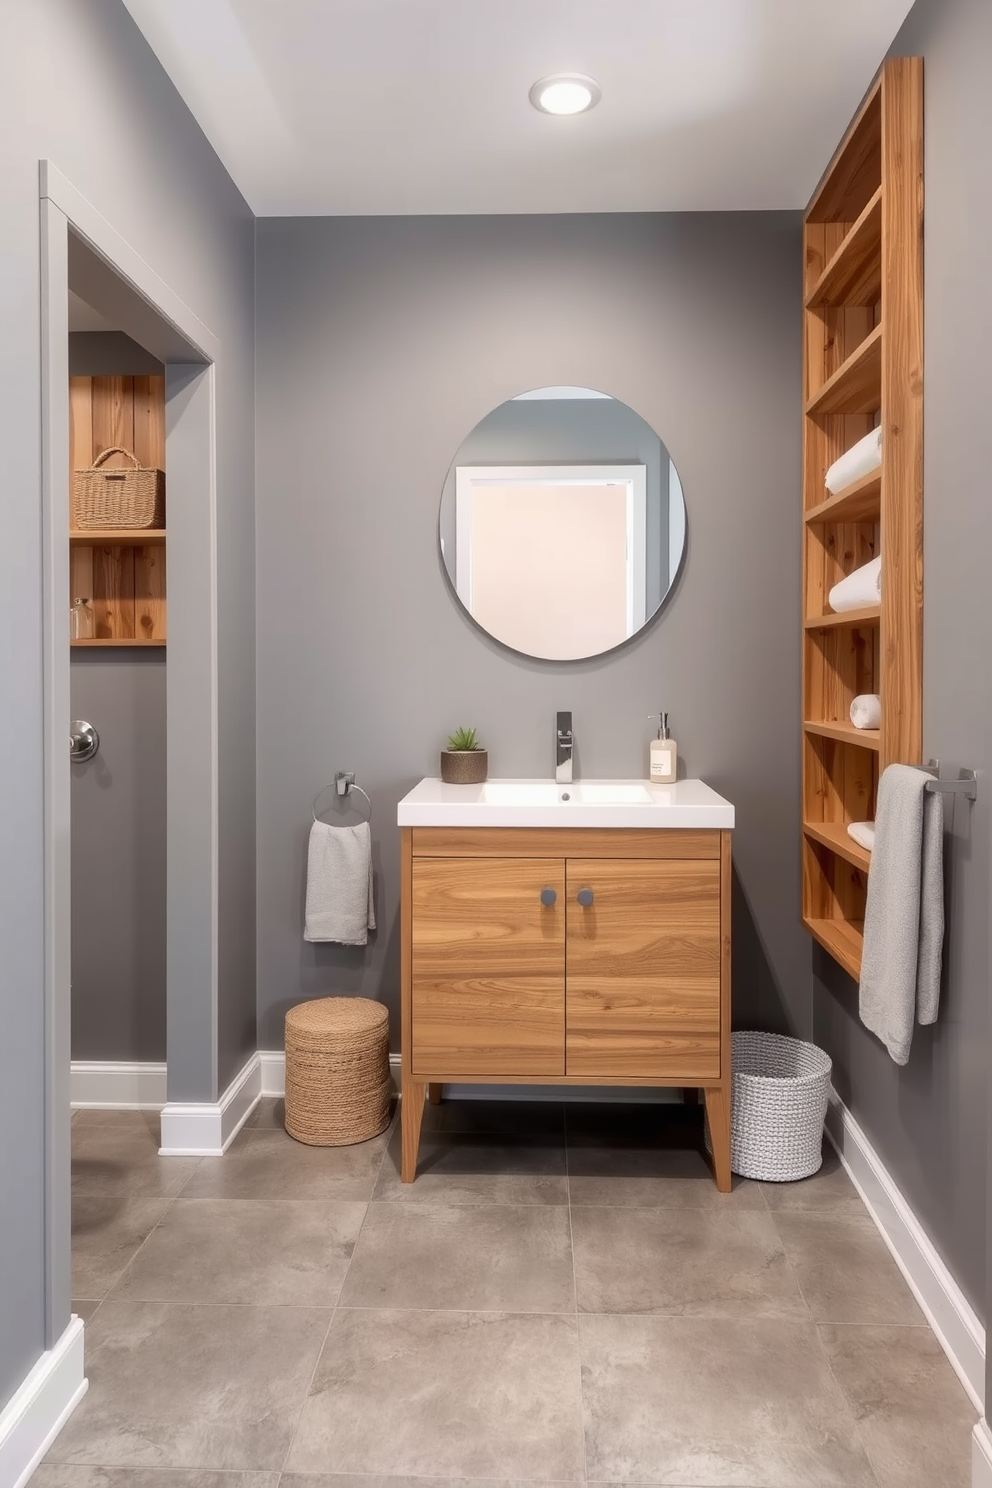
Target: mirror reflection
[562,523]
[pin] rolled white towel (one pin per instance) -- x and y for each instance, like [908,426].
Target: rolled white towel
[861,588]
[860,460]
[863,833]
[866,711]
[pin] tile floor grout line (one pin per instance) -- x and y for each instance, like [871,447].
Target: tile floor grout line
[575,1293]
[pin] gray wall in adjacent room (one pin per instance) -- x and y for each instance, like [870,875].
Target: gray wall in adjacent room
[929,1120]
[79,86]
[380,345]
[118,858]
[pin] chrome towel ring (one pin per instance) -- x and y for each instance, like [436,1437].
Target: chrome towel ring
[343,784]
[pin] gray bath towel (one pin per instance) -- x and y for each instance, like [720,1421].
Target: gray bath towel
[339,884]
[904,918]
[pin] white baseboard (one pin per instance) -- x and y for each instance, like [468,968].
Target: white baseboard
[35,1415]
[116,1086]
[273,1063]
[207,1129]
[945,1306]
[981,1455]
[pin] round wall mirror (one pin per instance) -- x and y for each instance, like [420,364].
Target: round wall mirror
[562,523]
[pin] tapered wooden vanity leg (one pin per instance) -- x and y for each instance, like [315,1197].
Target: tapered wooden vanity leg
[718,1120]
[434,1093]
[411,1118]
[690,1096]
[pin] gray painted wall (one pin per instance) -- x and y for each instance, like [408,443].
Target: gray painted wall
[118,814]
[118,858]
[381,343]
[929,1121]
[78,85]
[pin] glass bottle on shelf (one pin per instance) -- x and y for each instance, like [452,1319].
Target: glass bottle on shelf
[81,621]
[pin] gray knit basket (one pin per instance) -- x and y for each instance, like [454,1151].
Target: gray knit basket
[779,1102]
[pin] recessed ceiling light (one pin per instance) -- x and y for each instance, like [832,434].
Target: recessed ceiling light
[565,93]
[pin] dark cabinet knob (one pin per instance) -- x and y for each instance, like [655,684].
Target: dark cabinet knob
[548,896]
[585,897]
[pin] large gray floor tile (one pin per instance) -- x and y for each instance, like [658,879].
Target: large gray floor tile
[716,1403]
[269,1112]
[50,1475]
[507,1118]
[830,1191]
[353,1480]
[144,1121]
[205,1387]
[914,1415]
[116,1161]
[639,1175]
[471,1168]
[106,1235]
[84,1308]
[845,1270]
[444,1394]
[491,1258]
[261,1252]
[270,1165]
[687,1262]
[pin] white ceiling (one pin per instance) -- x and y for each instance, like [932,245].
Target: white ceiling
[82,317]
[365,107]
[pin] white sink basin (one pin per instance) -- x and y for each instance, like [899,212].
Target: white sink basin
[587,803]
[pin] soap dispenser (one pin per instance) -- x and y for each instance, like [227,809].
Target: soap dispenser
[664,754]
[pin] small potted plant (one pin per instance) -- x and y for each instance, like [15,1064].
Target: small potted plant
[464,762]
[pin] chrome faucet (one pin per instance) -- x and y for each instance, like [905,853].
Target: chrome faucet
[563,749]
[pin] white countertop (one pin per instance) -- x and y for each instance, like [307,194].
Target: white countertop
[586,803]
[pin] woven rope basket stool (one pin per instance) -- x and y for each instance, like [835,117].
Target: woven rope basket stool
[337,1071]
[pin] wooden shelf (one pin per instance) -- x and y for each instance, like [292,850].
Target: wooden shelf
[856,386]
[834,836]
[857,502]
[867,615]
[115,641]
[854,274]
[846,733]
[844,939]
[122,537]
[858,375]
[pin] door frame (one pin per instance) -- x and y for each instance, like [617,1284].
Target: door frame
[191,671]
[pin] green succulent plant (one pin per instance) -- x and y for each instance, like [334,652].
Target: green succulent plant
[463,739]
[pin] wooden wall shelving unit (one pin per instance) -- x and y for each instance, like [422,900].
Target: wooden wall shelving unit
[863,365]
[122,573]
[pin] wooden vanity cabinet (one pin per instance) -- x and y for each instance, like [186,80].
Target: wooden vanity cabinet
[583,957]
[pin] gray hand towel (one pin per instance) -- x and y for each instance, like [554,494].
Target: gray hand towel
[339,884]
[904,918]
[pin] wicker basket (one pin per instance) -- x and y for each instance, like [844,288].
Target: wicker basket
[464,766]
[337,1071]
[108,499]
[780,1088]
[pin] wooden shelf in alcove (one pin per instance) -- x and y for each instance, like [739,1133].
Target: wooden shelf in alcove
[833,835]
[114,641]
[854,274]
[844,939]
[121,537]
[867,615]
[846,733]
[859,501]
[856,386]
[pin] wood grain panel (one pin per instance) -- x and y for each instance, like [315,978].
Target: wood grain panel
[563,842]
[124,580]
[488,967]
[644,970]
[902,409]
[149,592]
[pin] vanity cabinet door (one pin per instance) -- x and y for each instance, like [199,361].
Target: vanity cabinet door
[488,964]
[643,968]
